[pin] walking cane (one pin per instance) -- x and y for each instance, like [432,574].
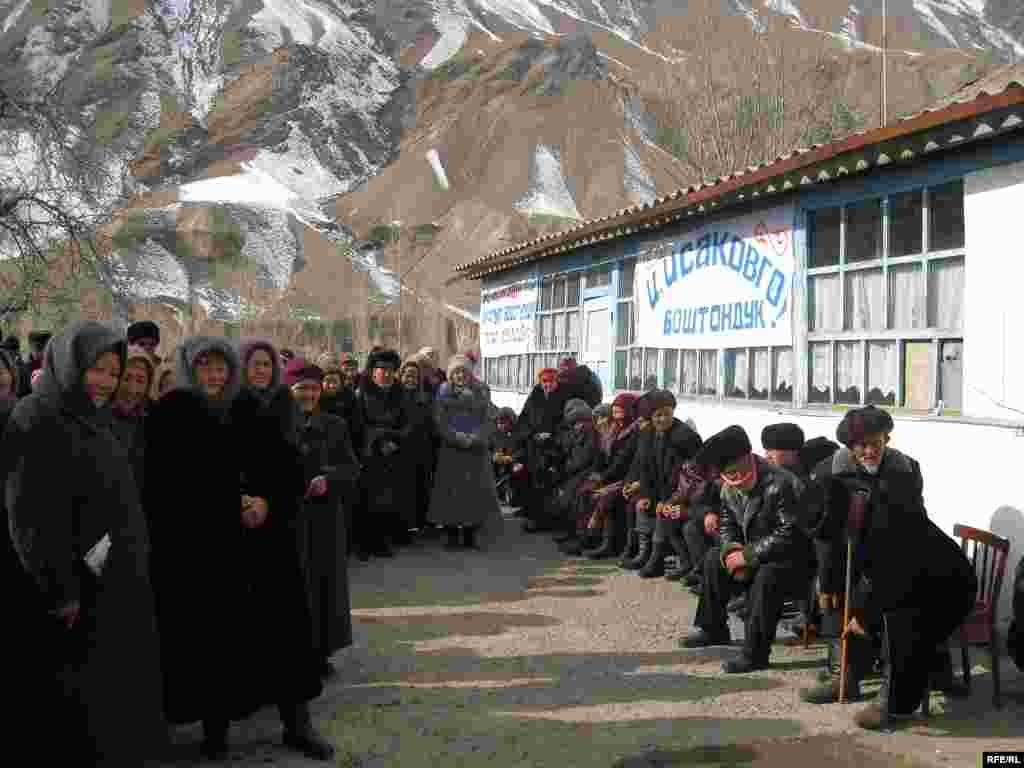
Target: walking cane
[855,519]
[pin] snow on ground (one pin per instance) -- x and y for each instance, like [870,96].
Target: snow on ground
[548,193]
[302,21]
[438,168]
[785,8]
[150,272]
[13,16]
[454,31]
[573,13]
[522,13]
[638,183]
[252,187]
[928,16]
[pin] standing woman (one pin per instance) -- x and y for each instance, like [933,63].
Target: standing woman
[261,379]
[420,404]
[330,471]
[130,404]
[464,494]
[222,491]
[389,466]
[79,531]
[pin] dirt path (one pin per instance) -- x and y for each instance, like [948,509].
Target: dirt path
[521,657]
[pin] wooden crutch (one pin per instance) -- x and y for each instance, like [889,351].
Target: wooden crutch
[854,521]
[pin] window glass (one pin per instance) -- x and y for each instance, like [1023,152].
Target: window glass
[547,290]
[691,372]
[558,293]
[622,316]
[906,296]
[883,372]
[761,374]
[824,293]
[636,370]
[670,369]
[573,290]
[906,223]
[626,279]
[864,231]
[849,372]
[946,293]
[620,369]
[782,374]
[819,388]
[650,369]
[736,373]
[946,216]
[951,374]
[865,300]
[573,342]
[598,277]
[708,372]
[824,236]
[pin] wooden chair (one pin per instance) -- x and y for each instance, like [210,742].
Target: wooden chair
[988,554]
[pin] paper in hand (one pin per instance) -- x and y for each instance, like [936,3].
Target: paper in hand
[96,557]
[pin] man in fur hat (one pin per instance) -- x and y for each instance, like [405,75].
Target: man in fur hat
[145,334]
[912,581]
[782,443]
[764,551]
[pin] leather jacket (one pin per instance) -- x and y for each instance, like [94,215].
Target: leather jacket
[765,522]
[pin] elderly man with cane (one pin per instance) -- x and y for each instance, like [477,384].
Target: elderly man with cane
[906,581]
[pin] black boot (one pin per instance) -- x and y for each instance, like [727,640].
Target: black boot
[628,551]
[469,538]
[576,546]
[606,548]
[643,552]
[215,740]
[300,735]
[453,537]
[655,565]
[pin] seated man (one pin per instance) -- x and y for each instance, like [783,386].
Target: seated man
[507,455]
[903,566]
[701,530]
[764,551]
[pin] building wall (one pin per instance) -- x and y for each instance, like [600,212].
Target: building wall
[967,468]
[993,364]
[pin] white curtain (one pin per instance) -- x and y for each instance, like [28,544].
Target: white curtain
[783,370]
[906,298]
[574,331]
[946,293]
[826,307]
[821,371]
[737,373]
[670,368]
[708,371]
[762,366]
[690,371]
[849,370]
[883,372]
[636,372]
[559,341]
[865,297]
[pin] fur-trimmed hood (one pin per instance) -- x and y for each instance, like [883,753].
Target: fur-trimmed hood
[189,349]
[68,356]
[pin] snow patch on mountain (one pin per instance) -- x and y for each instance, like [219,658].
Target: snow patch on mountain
[438,169]
[521,13]
[548,193]
[638,182]
[928,16]
[149,272]
[785,8]
[454,31]
[850,25]
[14,15]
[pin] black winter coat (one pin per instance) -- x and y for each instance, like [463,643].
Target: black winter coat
[582,455]
[583,384]
[663,455]
[541,413]
[325,449]
[765,522]
[131,431]
[342,403]
[902,560]
[231,602]
[389,475]
[616,464]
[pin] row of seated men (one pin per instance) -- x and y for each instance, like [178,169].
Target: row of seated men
[631,480]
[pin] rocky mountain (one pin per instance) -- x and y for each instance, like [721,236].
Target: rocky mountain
[326,162]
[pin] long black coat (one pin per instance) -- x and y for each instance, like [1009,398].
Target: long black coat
[230,600]
[902,560]
[388,481]
[661,456]
[322,531]
[423,442]
[464,492]
[68,483]
[131,431]
[765,523]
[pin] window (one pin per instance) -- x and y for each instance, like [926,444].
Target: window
[670,369]
[636,369]
[761,374]
[881,309]
[599,277]
[558,322]
[625,330]
[650,369]
[708,384]
[691,372]
[736,373]
[782,374]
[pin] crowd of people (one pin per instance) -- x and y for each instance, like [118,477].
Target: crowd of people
[180,529]
[768,538]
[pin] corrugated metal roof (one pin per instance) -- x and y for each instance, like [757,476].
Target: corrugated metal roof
[996,91]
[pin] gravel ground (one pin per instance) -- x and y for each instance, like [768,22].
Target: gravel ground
[521,657]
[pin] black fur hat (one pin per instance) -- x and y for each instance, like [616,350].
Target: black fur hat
[863,421]
[38,340]
[383,358]
[725,447]
[143,329]
[782,437]
[816,450]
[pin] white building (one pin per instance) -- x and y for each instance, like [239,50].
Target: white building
[878,269]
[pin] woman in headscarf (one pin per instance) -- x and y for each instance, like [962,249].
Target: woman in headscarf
[130,404]
[79,531]
[464,494]
[222,492]
[261,380]
[388,510]
[330,471]
[420,404]
[339,394]
[537,430]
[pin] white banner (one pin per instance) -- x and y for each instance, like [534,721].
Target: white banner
[727,284]
[506,320]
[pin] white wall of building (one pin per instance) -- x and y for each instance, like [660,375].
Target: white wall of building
[993,363]
[970,471]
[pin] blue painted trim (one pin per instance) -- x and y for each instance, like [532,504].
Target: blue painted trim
[596,293]
[929,172]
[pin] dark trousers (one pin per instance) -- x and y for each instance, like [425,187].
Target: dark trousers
[645,521]
[769,588]
[915,639]
[697,542]
[668,531]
